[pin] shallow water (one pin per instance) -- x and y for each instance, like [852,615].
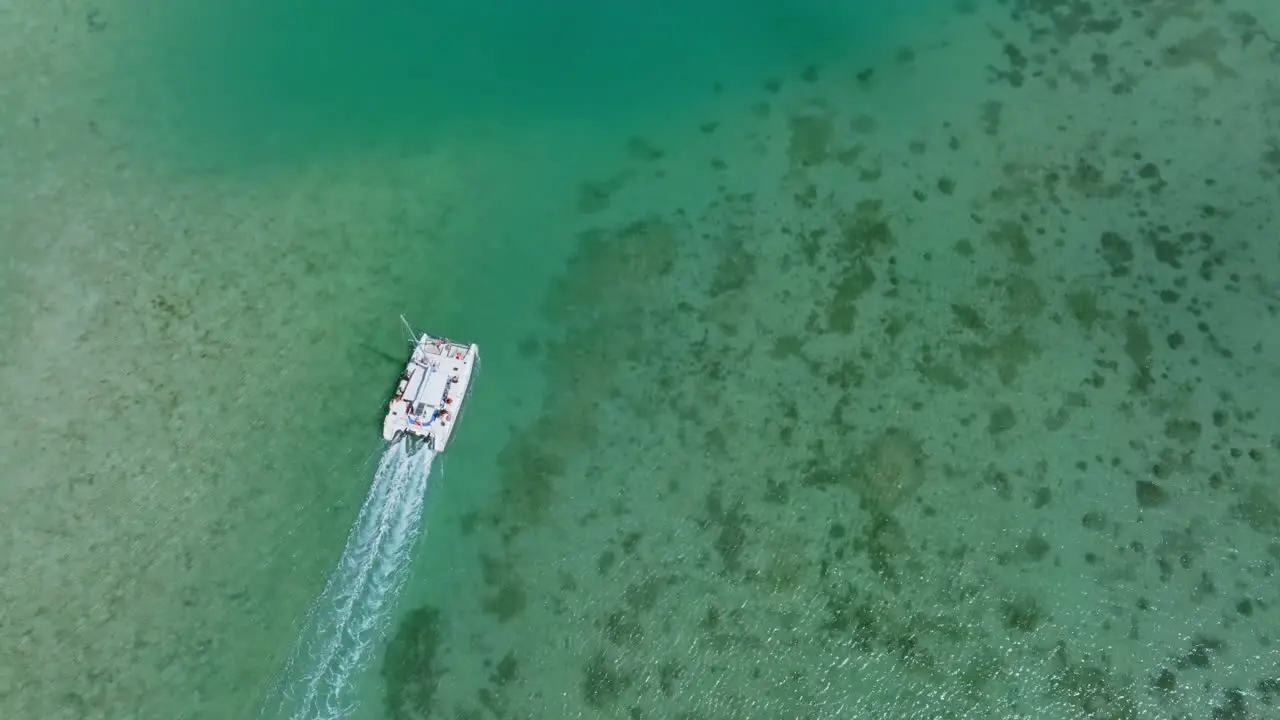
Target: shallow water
[841,360]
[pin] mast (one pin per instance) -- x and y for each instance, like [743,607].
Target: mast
[413,337]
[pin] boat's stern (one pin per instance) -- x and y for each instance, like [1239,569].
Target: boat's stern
[394,425]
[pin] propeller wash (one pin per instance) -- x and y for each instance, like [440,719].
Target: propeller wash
[349,618]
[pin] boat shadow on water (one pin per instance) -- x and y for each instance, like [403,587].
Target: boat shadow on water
[376,415]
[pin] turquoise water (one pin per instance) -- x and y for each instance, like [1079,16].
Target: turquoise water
[841,360]
[301,79]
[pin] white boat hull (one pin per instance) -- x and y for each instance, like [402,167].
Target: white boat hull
[431,392]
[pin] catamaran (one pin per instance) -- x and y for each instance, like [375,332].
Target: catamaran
[432,389]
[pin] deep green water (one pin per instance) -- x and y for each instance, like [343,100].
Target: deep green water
[243,83]
[841,360]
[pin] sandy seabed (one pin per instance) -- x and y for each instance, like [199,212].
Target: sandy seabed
[937,384]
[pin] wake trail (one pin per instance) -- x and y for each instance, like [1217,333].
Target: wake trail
[350,615]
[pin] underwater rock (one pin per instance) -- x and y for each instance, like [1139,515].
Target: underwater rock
[891,469]
[1151,495]
[410,668]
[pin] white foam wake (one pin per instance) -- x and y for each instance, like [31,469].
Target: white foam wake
[350,616]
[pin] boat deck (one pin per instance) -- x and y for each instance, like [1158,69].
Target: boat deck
[431,391]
